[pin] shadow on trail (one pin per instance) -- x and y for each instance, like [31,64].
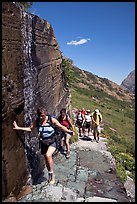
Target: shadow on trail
[61,151]
[85,138]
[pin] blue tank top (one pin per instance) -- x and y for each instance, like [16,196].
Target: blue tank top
[45,130]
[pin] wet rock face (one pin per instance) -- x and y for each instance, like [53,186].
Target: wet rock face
[31,77]
[14,172]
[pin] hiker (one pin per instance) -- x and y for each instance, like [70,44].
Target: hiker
[45,125]
[83,112]
[80,122]
[65,120]
[96,120]
[87,123]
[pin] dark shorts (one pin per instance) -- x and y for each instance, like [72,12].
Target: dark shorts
[46,143]
[79,123]
[44,148]
[87,125]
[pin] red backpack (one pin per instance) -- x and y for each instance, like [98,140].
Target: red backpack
[65,122]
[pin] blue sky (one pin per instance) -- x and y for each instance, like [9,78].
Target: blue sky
[98,36]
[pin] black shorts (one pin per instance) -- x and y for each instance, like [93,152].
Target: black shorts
[44,148]
[87,125]
[45,143]
[79,123]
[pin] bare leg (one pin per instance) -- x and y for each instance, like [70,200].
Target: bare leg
[80,131]
[98,137]
[67,145]
[49,163]
[83,129]
[62,143]
[48,157]
[94,134]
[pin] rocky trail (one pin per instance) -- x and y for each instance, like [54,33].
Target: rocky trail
[87,176]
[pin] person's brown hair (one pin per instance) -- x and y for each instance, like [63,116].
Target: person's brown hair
[63,110]
[41,110]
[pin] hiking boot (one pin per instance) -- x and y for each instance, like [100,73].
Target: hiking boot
[51,179]
[67,155]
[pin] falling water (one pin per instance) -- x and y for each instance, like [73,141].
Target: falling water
[29,80]
[28,69]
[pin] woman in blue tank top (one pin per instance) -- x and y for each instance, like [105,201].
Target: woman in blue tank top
[46,129]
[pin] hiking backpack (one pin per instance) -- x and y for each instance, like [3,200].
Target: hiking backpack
[59,119]
[51,139]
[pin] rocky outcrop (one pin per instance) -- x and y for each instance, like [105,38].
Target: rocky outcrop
[129,82]
[88,176]
[31,76]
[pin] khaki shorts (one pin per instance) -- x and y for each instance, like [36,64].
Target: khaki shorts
[65,135]
[97,129]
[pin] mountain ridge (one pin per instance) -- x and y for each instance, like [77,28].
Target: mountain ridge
[129,82]
[101,84]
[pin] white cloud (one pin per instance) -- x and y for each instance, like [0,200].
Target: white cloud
[78,42]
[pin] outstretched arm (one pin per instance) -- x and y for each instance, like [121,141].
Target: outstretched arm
[70,121]
[16,127]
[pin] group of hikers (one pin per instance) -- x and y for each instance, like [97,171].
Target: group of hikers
[53,131]
[89,122]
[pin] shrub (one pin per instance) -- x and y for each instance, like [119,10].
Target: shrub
[120,171]
[116,138]
[126,160]
[74,138]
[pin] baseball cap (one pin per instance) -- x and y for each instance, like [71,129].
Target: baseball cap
[96,110]
[88,111]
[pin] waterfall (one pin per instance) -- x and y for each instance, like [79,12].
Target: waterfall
[28,69]
[29,88]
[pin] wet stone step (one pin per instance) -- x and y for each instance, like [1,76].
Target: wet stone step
[84,177]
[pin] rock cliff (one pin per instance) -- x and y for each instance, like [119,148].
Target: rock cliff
[129,82]
[31,76]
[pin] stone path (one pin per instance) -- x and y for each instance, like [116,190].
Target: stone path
[87,176]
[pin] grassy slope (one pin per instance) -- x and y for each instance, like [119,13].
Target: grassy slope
[117,114]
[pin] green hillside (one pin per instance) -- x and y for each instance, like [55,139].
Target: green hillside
[117,107]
